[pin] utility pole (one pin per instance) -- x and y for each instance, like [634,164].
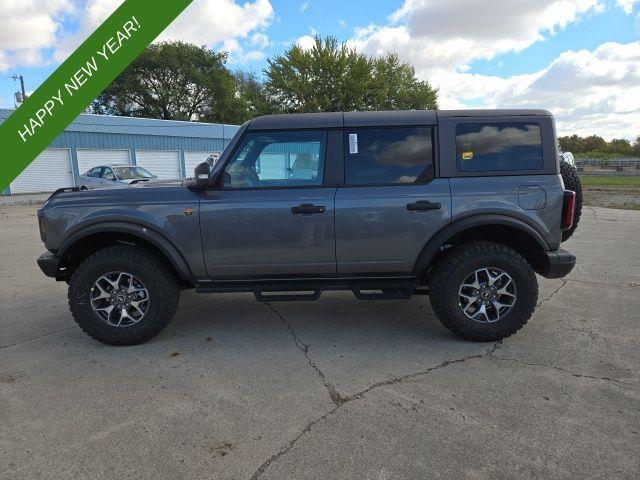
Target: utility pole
[21,78]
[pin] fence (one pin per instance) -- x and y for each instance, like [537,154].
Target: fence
[609,163]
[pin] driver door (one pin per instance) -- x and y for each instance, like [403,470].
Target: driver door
[270,218]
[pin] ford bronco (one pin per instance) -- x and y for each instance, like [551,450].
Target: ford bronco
[465,206]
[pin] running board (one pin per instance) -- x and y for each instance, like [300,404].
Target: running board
[287,297]
[309,289]
[383,294]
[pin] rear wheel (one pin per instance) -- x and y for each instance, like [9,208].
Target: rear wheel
[483,291]
[572,182]
[123,295]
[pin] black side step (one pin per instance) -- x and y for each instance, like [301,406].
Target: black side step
[383,294]
[287,297]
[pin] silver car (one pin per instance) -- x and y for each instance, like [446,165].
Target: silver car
[104,176]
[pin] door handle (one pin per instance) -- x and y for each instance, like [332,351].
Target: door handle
[307,208]
[423,205]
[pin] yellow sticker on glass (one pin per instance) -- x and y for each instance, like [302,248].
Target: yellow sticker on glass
[467,155]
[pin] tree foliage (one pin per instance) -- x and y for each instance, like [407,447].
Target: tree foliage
[334,77]
[174,81]
[597,146]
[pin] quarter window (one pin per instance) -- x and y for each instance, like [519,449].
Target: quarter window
[278,159]
[485,147]
[388,156]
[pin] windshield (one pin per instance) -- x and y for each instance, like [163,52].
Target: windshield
[132,173]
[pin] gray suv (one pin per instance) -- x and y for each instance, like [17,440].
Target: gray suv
[465,206]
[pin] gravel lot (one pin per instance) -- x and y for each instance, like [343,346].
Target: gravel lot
[339,388]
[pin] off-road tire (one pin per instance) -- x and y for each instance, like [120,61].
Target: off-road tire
[572,182]
[462,260]
[153,271]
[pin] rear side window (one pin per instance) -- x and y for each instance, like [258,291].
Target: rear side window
[486,147]
[388,156]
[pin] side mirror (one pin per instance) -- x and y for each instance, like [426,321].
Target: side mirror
[201,174]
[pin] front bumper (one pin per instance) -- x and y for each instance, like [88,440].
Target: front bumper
[49,264]
[557,264]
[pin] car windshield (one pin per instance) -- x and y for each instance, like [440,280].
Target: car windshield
[132,173]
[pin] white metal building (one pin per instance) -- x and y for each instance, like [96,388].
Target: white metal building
[167,148]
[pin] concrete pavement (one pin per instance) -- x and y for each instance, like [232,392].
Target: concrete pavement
[338,388]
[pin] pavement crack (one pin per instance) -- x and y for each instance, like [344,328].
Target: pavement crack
[344,400]
[410,376]
[334,395]
[565,370]
[34,338]
[550,296]
[291,443]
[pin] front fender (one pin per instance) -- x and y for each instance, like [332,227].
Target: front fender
[144,232]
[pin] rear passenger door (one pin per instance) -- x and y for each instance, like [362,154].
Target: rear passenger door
[391,203]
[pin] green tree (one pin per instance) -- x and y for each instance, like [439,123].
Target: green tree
[636,147]
[573,144]
[333,77]
[620,146]
[173,81]
[253,99]
[594,143]
[396,86]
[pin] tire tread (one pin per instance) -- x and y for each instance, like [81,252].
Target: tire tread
[447,268]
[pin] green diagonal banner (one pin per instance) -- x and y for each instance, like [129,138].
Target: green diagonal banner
[80,79]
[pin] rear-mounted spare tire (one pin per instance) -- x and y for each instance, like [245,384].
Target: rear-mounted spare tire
[572,182]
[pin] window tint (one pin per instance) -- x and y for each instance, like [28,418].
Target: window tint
[278,159]
[94,172]
[495,147]
[388,155]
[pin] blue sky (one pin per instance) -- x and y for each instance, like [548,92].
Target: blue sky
[578,58]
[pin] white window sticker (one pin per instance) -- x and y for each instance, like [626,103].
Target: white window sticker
[353,143]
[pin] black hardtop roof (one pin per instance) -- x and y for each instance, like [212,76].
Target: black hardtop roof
[383,118]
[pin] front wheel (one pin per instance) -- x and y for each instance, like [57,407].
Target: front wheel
[123,295]
[483,291]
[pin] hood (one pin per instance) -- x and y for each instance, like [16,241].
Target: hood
[124,195]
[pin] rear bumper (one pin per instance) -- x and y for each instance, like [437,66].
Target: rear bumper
[49,264]
[557,264]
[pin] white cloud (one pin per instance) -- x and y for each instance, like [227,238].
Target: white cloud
[90,16]
[259,40]
[448,35]
[588,91]
[209,22]
[215,23]
[627,5]
[28,27]
[306,42]
[304,6]
[222,23]
[238,55]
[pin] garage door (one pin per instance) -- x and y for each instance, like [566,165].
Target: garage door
[48,172]
[89,158]
[163,163]
[192,159]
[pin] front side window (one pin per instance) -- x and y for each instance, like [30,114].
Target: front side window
[485,147]
[278,159]
[389,156]
[107,174]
